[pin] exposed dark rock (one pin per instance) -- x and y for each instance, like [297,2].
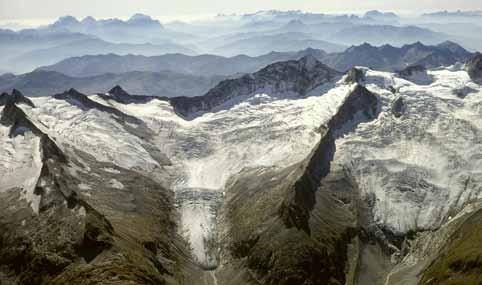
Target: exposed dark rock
[4,97]
[17,120]
[302,243]
[464,92]
[355,75]
[82,101]
[50,150]
[16,97]
[398,107]
[20,99]
[121,96]
[97,235]
[474,67]
[412,70]
[361,101]
[298,76]
[416,74]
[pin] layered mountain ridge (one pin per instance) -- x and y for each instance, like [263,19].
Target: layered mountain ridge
[294,174]
[177,75]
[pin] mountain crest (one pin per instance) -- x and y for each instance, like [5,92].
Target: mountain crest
[83,102]
[15,98]
[118,91]
[15,118]
[298,76]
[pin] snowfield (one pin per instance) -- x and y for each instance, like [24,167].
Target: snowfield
[417,169]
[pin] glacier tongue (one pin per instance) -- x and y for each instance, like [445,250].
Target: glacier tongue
[260,130]
[198,208]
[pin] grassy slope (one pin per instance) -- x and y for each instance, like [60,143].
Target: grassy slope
[460,262]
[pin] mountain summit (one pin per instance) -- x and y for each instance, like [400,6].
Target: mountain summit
[296,77]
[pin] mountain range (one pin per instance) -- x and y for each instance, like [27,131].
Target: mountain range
[225,35]
[174,75]
[384,57]
[25,50]
[294,174]
[162,83]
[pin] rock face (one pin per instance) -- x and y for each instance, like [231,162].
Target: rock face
[298,242]
[291,76]
[474,67]
[16,97]
[121,96]
[354,75]
[398,107]
[16,119]
[83,102]
[417,74]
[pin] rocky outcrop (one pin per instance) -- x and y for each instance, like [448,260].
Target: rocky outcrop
[359,106]
[412,70]
[355,75]
[398,107]
[121,96]
[85,103]
[474,67]
[302,242]
[298,76]
[16,97]
[15,118]
[416,74]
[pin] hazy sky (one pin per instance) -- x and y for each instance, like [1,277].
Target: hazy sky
[43,9]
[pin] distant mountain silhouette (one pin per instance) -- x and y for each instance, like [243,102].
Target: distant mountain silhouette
[384,57]
[165,83]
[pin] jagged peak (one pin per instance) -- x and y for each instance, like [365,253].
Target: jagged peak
[74,94]
[118,91]
[72,91]
[354,75]
[362,47]
[82,101]
[15,118]
[450,44]
[16,97]
[299,76]
[306,65]
[309,62]
[417,44]
[19,98]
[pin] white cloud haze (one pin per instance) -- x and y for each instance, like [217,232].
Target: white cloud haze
[35,9]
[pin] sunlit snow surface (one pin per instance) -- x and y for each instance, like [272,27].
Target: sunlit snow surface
[20,164]
[416,170]
[420,168]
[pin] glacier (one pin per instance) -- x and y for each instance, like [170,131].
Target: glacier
[418,165]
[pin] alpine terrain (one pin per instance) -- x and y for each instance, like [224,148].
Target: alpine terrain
[294,174]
